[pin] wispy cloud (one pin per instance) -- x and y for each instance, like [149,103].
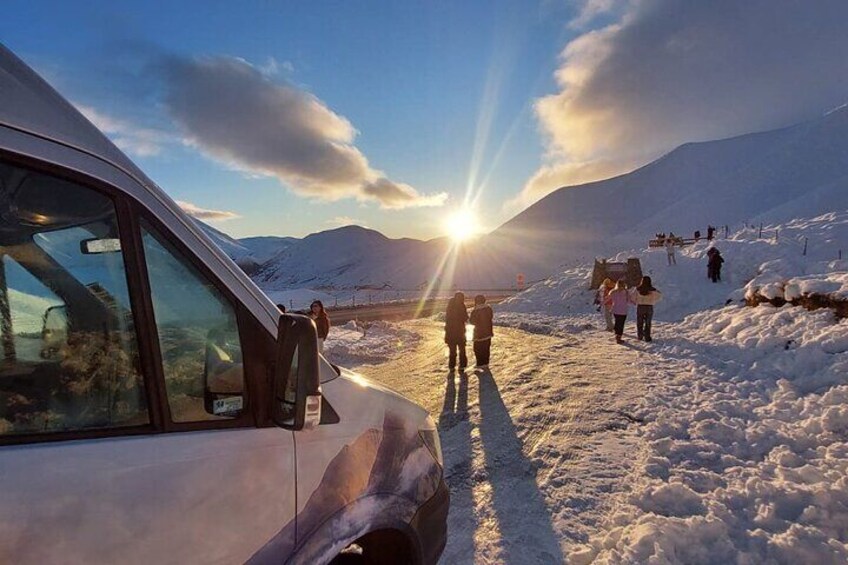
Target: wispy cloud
[673,71]
[340,221]
[206,214]
[138,141]
[235,113]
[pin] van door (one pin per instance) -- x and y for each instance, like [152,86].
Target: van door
[126,424]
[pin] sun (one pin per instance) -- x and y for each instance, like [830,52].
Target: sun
[462,225]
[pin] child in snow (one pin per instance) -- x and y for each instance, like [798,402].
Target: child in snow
[601,301]
[481,319]
[322,322]
[619,300]
[645,296]
[669,249]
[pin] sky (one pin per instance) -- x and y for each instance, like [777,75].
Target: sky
[288,118]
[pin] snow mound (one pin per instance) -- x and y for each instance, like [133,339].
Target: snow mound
[747,457]
[361,343]
[767,265]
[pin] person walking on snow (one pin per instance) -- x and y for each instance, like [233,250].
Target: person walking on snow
[456,316]
[645,296]
[669,249]
[601,301]
[481,318]
[714,264]
[619,301]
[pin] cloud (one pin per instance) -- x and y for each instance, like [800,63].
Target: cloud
[673,71]
[206,214]
[235,113]
[340,221]
[138,141]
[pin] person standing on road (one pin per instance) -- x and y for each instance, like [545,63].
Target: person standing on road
[619,301]
[322,322]
[455,318]
[669,249]
[645,296]
[481,318]
[601,301]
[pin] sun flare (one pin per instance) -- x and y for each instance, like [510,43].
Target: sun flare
[462,225]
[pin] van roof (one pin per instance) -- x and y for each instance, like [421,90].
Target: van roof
[30,104]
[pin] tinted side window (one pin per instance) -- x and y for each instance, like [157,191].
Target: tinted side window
[198,336]
[69,353]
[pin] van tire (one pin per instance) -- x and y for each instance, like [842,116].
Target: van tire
[382,547]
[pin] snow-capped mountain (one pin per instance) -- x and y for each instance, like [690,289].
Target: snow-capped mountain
[351,256]
[771,176]
[264,248]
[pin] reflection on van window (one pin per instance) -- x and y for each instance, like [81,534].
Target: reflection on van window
[69,354]
[198,337]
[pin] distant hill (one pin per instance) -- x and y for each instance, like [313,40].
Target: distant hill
[351,256]
[770,176]
[264,248]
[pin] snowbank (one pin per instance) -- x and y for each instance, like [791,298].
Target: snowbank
[746,454]
[360,343]
[753,264]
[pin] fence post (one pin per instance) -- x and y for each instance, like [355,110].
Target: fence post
[726,230]
[337,302]
[291,304]
[760,236]
[776,235]
[805,246]
[353,300]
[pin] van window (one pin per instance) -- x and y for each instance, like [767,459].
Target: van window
[198,336]
[69,353]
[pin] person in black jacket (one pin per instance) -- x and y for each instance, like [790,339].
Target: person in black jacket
[714,264]
[455,318]
[322,322]
[481,319]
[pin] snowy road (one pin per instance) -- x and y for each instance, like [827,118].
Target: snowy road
[535,446]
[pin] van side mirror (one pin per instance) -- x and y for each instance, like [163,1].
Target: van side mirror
[297,385]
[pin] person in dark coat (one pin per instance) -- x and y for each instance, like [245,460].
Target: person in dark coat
[714,264]
[481,318]
[322,322]
[710,233]
[455,318]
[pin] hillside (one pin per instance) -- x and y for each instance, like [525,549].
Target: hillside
[771,176]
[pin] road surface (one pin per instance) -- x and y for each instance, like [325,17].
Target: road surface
[396,311]
[533,446]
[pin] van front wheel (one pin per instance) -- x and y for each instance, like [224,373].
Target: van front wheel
[383,547]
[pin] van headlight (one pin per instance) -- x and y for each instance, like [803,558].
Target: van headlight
[430,436]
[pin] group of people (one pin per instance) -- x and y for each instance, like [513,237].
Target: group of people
[456,318]
[614,300]
[321,319]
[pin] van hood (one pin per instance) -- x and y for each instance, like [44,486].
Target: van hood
[366,401]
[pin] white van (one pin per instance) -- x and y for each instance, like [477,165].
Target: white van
[154,405]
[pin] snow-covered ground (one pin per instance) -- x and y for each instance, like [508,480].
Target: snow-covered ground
[744,453]
[723,441]
[358,343]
